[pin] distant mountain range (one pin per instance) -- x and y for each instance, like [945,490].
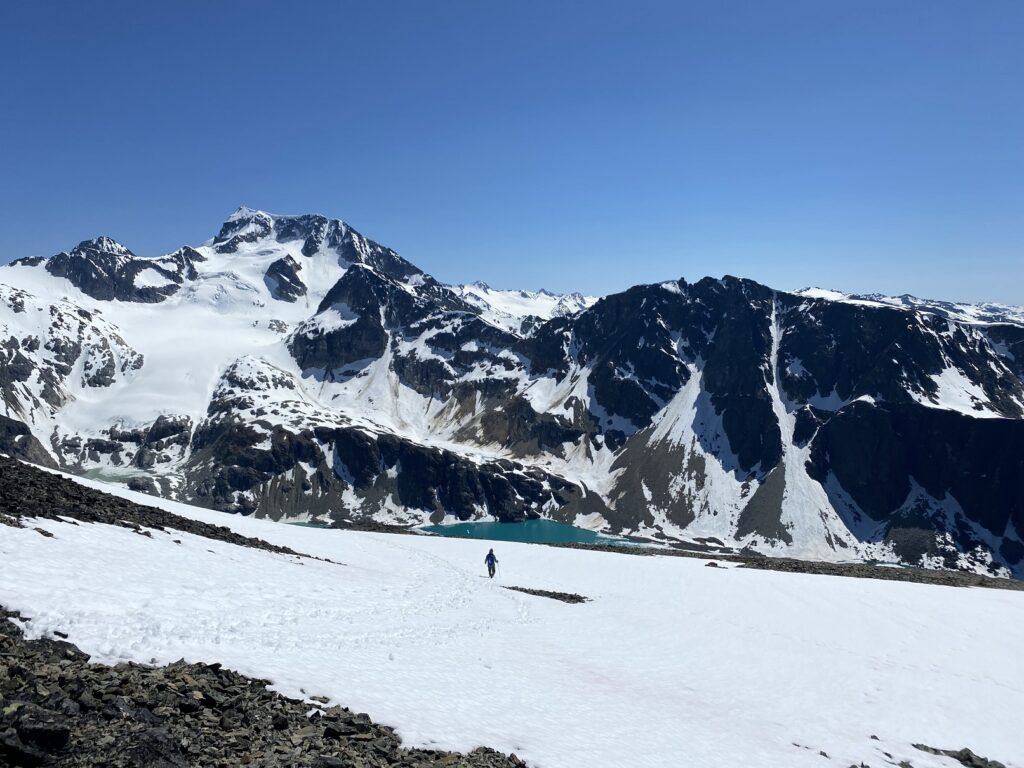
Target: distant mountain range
[521,312]
[291,367]
[989,313]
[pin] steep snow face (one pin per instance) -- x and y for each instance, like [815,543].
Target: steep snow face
[410,632]
[520,311]
[808,524]
[307,371]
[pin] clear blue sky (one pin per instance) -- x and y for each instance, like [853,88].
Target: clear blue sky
[869,145]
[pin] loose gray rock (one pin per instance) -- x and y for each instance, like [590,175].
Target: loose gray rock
[57,709]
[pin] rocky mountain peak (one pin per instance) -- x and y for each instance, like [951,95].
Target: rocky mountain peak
[245,225]
[101,244]
[248,225]
[317,233]
[245,213]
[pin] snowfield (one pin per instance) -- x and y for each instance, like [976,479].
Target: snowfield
[670,663]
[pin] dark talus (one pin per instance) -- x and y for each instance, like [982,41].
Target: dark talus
[61,710]
[27,492]
[763,513]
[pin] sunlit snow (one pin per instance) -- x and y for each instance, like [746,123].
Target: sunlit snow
[670,663]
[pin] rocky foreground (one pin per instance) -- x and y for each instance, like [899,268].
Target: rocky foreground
[27,492]
[57,709]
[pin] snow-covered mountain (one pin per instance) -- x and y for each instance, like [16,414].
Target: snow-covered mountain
[292,367]
[521,312]
[988,312]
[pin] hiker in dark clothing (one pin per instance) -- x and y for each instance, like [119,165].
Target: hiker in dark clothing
[492,563]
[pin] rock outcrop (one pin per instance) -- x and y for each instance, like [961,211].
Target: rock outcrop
[58,709]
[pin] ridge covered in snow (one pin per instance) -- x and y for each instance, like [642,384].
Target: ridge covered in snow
[516,309]
[292,367]
[964,312]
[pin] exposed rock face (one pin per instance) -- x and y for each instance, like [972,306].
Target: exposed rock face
[887,354]
[50,350]
[809,423]
[879,456]
[17,440]
[385,469]
[283,281]
[106,270]
[242,463]
[1008,343]
[639,347]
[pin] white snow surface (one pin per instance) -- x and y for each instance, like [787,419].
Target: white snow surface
[151,278]
[962,312]
[955,392]
[190,339]
[508,308]
[670,663]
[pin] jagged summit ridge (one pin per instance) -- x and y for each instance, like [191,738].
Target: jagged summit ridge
[102,244]
[293,367]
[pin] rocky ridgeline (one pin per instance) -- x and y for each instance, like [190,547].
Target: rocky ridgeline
[883,572]
[58,709]
[27,492]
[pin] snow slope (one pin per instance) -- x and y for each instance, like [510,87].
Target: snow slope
[509,308]
[671,663]
[189,339]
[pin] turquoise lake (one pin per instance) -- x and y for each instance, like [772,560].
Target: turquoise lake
[529,532]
